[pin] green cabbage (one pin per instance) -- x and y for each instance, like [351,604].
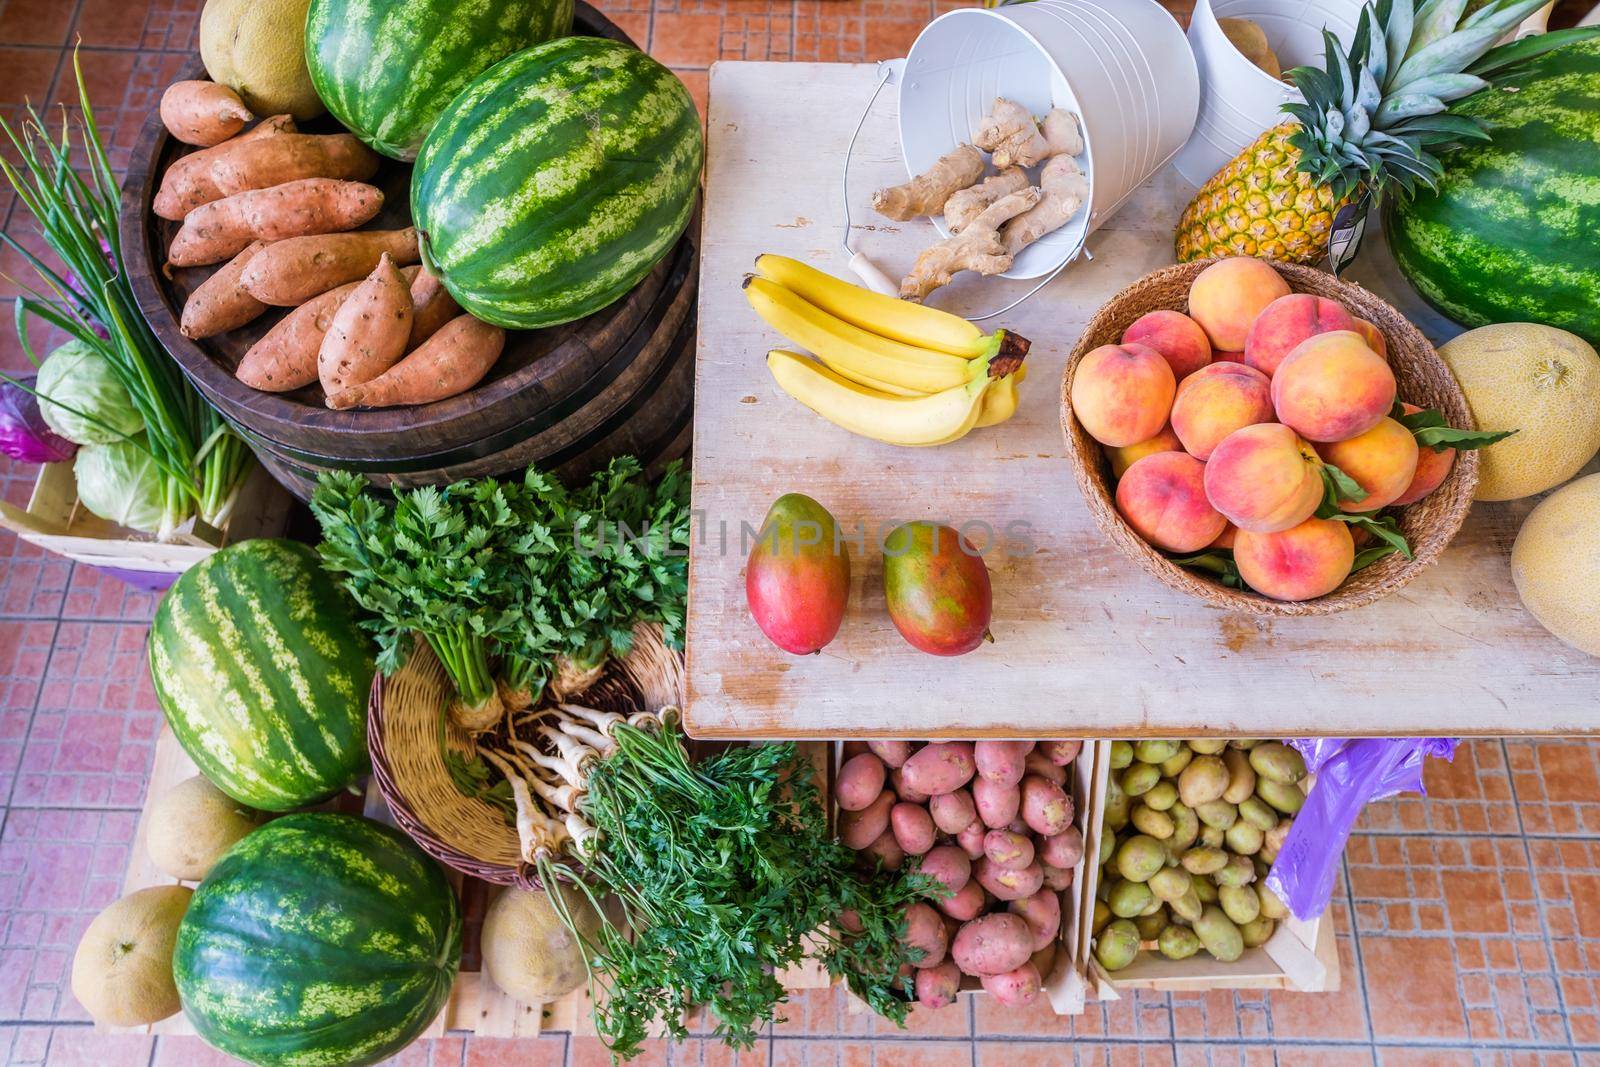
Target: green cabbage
[79,378]
[120,482]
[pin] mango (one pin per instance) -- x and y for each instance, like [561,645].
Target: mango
[797,579]
[937,588]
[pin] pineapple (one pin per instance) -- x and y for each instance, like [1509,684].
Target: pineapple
[1371,121]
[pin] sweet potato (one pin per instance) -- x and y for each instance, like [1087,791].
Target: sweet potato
[949,865]
[858,829]
[993,944]
[368,333]
[1007,884]
[202,113]
[1016,988]
[953,812]
[897,781]
[860,779]
[1001,761]
[997,804]
[912,826]
[965,903]
[884,851]
[291,272]
[937,986]
[1042,913]
[187,182]
[221,303]
[450,362]
[1064,849]
[434,306]
[925,930]
[290,158]
[893,753]
[940,767]
[286,358]
[217,231]
[1046,808]
[1008,850]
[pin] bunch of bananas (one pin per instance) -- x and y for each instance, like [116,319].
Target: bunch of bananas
[885,368]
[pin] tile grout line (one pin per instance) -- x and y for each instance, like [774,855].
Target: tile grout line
[1355,947]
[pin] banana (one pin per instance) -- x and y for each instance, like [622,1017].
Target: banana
[888,316]
[880,363]
[914,421]
[1000,402]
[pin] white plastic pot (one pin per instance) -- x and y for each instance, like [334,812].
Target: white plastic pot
[1238,100]
[1122,65]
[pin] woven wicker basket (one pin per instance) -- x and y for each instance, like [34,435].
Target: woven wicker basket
[405,715]
[1424,380]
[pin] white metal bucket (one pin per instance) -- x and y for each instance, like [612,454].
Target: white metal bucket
[1238,99]
[1122,65]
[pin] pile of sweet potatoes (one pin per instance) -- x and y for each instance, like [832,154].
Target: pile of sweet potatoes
[993,822]
[280,211]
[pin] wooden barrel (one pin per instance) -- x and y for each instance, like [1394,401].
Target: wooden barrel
[571,397]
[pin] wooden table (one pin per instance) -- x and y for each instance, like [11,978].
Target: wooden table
[1086,644]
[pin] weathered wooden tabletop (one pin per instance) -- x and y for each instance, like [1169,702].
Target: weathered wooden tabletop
[1085,642]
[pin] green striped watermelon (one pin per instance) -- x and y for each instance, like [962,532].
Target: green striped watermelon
[387,68]
[555,181]
[1511,234]
[319,939]
[263,674]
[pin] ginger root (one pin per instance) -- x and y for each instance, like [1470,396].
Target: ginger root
[928,191]
[977,247]
[1012,137]
[966,204]
[1064,190]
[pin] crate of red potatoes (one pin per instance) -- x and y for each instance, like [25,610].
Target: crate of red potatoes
[1268,437]
[1002,825]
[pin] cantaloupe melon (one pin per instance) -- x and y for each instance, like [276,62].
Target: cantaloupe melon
[193,824]
[1556,563]
[122,971]
[257,49]
[528,952]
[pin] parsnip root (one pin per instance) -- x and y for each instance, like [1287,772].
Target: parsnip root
[1012,137]
[1064,190]
[928,191]
[967,204]
[977,247]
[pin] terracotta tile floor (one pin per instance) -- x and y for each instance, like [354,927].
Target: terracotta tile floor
[1471,919]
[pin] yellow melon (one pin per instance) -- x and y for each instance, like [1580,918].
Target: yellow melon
[122,971]
[192,824]
[1540,381]
[257,48]
[1556,563]
[528,952]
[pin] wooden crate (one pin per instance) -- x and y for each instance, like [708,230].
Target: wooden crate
[1300,956]
[57,522]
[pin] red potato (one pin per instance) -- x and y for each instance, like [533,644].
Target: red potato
[1046,808]
[860,781]
[970,840]
[291,158]
[1064,849]
[448,364]
[847,751]
[1038,763]
[997,804]
[187,182]
[1008,850]
[937,986]
[940,767]
[850,921]
[1056,878]
[221,303]
[886,851]
[893,753]
[368,333]
[1061,753]
[433,307]
[1044,960]
[993,944]
[289,273]
[925,930]
[1042,912]
[1001,761]
[217,231]
[953,812]
[912,827]
[202,113]
[858,829]
[966,903]
[950,866]
[1014,989]
[1008,884]
[897,779]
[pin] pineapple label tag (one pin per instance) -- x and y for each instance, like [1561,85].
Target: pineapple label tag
[1349,227]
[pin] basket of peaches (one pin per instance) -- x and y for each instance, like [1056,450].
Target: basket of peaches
[1267,437]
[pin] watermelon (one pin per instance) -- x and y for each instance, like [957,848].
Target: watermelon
[263,674]
[387,68]
[1510,235]
[319,939]
[556,180]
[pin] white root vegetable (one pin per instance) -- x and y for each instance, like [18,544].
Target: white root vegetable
[604,721]
[977,247]
[1064,190]
[564,769]
[928,191]
[574,752]
[533,828]
[1012,137]
[967,204]
[582,835]
[586,735]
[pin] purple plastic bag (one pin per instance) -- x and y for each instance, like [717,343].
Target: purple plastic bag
[1349,774]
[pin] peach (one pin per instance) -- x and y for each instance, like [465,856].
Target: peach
[1287,321]
[1373,336]
[1227,357]
[1216,400]
[1264,478]
[1125,457]
[1227,296]
[1382,461]
[1432,469]
[1333,387]
[1163,497]
[1123,393]
[1299,563]
[1176,336]
[1226,538]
